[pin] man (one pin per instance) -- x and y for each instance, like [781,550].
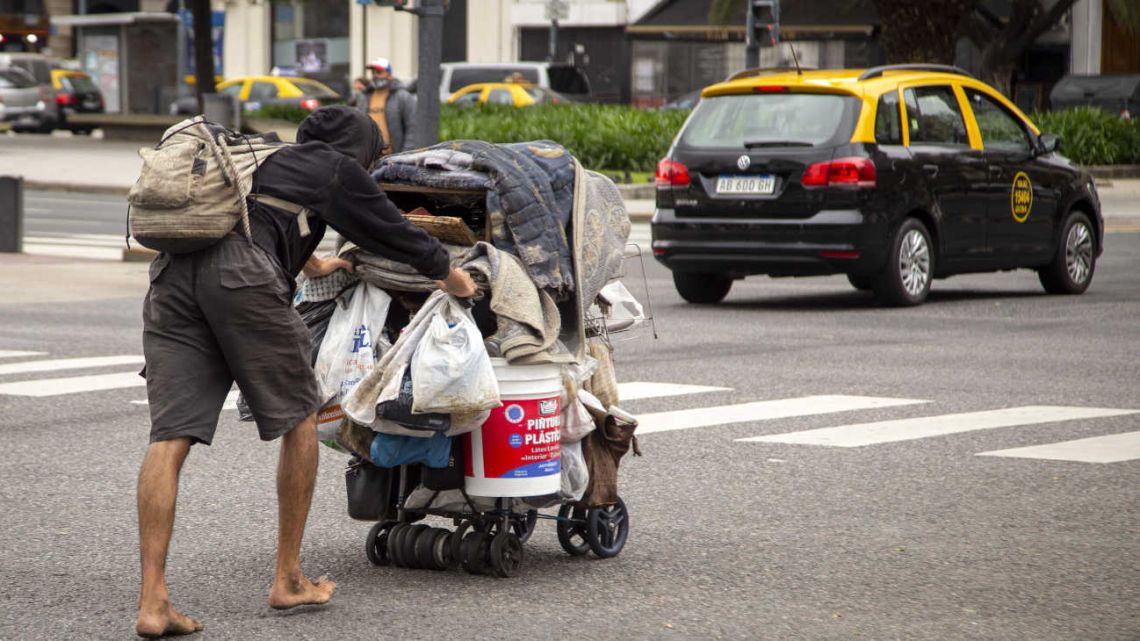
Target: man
[223,314]
[387,102]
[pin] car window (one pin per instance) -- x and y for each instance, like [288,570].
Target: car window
[78,84]
[461,77]
[232,90]
[933,116]
[1000,130]
[315,89]
[469,98]
[500,97]
[888,128]
[262,91]
[772,119]
[16,78]
[566,79]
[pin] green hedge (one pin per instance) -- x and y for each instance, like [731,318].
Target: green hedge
[611,137]
[1091,136]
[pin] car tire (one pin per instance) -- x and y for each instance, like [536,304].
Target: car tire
[1074,261]
[702,288]
[905,281]
[861,283]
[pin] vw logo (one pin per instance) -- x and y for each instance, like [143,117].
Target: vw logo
[743,162]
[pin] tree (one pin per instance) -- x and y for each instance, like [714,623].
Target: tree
[200,11]
[927,32]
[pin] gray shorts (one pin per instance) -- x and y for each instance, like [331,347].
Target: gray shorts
[216,316]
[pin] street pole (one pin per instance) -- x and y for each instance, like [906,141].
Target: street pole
[427,81]
[203,50]
[552,45]
[751,44]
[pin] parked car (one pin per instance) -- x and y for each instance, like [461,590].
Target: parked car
[1116,94]
[894,176]
[76,93]
[23,103]
[566,79]
[38,67]
[255,92]
[506,93]
[686,101]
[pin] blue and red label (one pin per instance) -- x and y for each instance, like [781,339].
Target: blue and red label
[521,439]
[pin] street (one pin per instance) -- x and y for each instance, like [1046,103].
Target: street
[815,467]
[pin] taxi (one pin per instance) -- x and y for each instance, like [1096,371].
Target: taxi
[76,93]
[255,92]
[895,176]
[516,94]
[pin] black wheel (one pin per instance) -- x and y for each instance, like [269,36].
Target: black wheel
[394,543]
[475,552]
[861,283]
[523,525]
[702,288]
[455,542]
[376,545]
[506,555]
[571,529]
[1074,262]
[425,548]
[607,529]
[441,549]
[408,545]
[905,281]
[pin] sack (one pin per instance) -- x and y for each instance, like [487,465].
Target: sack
[399,410]
[603,450]
[193,186]
[353,341]
[450,367]
[390,450]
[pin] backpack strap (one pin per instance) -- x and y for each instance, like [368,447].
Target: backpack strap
[300,211]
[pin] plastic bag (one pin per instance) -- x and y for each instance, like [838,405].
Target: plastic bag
[399,410]
[353,341]
[451,371]
[577,422]
[575,474]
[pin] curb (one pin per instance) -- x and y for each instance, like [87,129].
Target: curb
[40,185]
[1114,171]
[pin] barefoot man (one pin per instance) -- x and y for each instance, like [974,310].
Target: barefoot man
[223,314]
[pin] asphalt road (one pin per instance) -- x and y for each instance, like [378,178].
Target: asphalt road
[905,539]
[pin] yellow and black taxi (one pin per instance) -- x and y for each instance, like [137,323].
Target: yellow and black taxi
[894,176]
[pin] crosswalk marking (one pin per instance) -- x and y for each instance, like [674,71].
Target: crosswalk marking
[53,365]
[861,434]
[762,411]
[12,353]
[73,385]
[1113,448]
[641,390]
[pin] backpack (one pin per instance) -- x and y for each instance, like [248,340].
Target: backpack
[194,186]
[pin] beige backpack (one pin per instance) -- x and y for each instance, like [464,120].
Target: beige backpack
[194,186]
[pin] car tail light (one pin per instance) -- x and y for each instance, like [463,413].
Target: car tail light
[851,172]
[671,173]
[65,99]
[769,89]
[310,103]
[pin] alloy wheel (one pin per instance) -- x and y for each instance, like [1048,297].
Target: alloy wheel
[914,262]
[1079,252]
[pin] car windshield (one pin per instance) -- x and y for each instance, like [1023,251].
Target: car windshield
[78,84]
[765,120]
[314,89]
[463,76]
[569,80]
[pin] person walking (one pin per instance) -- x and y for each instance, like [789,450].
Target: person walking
[391,106]
[224,314]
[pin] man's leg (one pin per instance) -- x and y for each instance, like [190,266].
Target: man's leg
[157,494]
[296,475]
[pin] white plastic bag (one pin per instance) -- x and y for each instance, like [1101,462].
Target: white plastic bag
[575,474]
[353,341]
[577,423]
[451,372]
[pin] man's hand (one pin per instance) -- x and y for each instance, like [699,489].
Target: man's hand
[316,267]
[458,283]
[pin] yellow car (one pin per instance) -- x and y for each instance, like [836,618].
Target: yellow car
[75,92]
[516,94]
[255,92]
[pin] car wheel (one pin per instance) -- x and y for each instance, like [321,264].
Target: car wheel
[905,281]
[702,288]
[1074,261]
[862,283]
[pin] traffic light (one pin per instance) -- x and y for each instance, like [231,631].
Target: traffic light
[763,22]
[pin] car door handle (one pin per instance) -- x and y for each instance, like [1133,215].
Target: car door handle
[995,172]
[931,170]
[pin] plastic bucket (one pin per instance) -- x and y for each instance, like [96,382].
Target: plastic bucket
[517,451]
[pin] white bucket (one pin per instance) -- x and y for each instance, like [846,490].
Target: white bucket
[517,451]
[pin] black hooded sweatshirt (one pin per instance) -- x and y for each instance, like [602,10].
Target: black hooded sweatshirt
[326,172]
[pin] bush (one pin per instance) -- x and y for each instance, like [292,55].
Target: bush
[1093,137]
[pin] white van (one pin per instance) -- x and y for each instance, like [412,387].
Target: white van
[566,79]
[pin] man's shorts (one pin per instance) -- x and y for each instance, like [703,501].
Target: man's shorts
[216,316]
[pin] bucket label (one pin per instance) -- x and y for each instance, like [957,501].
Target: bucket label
[523,439]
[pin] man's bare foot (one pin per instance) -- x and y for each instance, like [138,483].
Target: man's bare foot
[289,593]
[164,621]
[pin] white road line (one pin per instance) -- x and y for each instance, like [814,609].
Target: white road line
[74,385]
[1113,448]
[79,240]
[639,390]
[67,363]
[761,411]
[861,434]
[74,251]
[11,353]
[230,404]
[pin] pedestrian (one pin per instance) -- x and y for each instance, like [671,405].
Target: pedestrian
[393,108]
[358,87]
[224,314]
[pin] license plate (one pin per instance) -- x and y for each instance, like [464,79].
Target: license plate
[755,184]
[90,104]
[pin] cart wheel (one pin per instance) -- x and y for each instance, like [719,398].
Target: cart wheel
[475,552]
[425,548]
[572,529]
[455,542]
[607,529]
[394,536]
[506,555]
[408,546]
[523,525]
[441,549]
[376,545]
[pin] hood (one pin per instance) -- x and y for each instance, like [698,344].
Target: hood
[346,130]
